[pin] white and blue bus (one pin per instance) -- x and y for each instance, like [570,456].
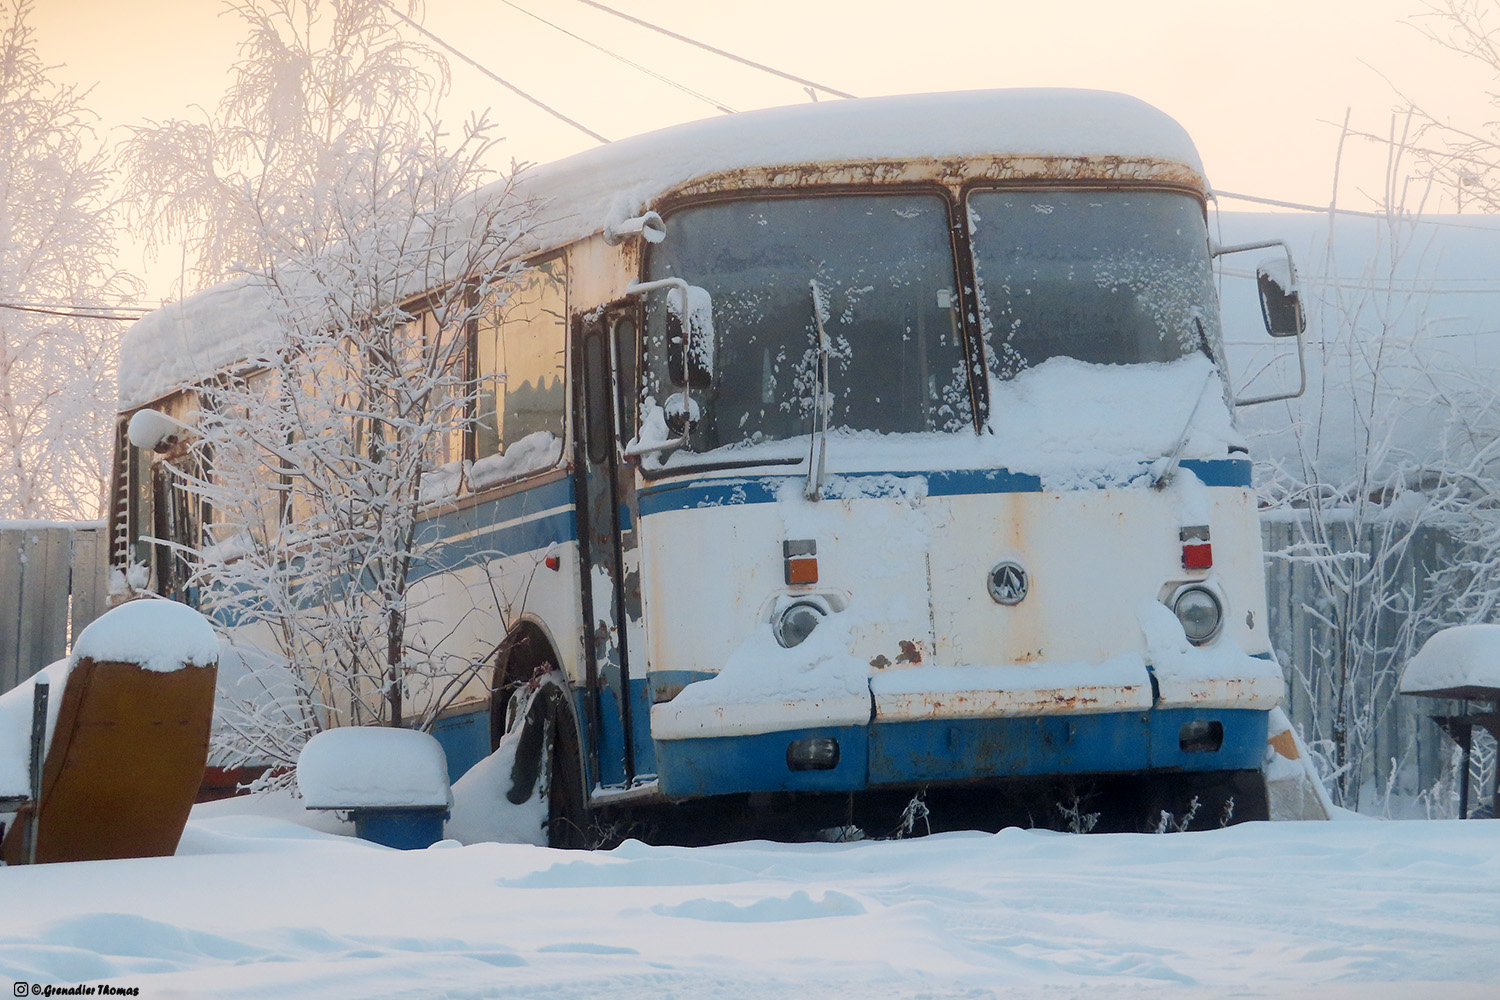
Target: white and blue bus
[845,454]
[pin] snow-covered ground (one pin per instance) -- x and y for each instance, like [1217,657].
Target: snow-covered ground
[260,907]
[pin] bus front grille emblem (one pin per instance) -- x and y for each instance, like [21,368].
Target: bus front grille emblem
[1008,583]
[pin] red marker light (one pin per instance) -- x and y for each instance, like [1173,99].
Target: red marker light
[553,563]
[1197,553]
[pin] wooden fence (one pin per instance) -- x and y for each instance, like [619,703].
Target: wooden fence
[53,582]
[1394,747]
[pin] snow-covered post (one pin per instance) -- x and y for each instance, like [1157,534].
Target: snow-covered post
[40,693]
[1461,663]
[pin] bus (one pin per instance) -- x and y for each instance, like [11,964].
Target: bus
[859,462]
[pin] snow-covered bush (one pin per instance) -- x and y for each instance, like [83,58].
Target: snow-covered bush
[1387,473]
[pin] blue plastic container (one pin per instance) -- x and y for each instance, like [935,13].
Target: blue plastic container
[406,829]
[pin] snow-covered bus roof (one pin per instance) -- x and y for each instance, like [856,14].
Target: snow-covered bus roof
[573,198]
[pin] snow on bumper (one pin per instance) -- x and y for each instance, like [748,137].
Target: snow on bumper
[1117,685]
[765,689]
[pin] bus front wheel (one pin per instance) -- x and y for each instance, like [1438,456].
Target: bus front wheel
[548,763]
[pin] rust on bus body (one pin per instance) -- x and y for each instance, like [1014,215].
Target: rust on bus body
[953,172]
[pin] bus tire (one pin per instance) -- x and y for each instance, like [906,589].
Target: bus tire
[567,810]
[548,763]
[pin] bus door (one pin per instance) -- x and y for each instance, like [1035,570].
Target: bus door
[618,740]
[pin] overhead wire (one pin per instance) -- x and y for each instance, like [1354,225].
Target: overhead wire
[497,78]
[123,314]
[718,105]
[716,51]
[1426,220]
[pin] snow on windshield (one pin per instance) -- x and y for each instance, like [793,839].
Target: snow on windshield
[884,267]
[1106,277]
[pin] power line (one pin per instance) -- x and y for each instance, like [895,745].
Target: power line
[718,105]
[504,83]
[1426,220]
[716,51]
[122,314]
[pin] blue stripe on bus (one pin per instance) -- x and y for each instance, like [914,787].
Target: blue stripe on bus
[903,753]
[497,528]
[962,482]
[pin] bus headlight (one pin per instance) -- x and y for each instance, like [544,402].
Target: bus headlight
[1200,613]
[796,623]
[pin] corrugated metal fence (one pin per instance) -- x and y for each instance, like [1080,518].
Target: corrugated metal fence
[52,583]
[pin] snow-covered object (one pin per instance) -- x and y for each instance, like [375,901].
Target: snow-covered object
[159,635]
[1070,423]
[1219,673]
[1463,661]
[481,811]
[1293,791]
[373,766]
[697,319]
[1074,424]
[15,726]
[536,451]
[604,187]
[765,688]
[149,428]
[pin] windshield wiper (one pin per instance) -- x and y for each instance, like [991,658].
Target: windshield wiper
[817,450]
[1164,474]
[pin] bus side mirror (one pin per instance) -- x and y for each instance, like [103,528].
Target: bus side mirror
[1280,301]
[690,337]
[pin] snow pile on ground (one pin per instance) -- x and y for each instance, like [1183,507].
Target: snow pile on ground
[481,812]
[1458,657]
[373,766]
[259,908]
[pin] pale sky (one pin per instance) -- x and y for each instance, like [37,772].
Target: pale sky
[1261,86]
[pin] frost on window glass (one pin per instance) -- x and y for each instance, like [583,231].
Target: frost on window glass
[1108,277]
[884,266]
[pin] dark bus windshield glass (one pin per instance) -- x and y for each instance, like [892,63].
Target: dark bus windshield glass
[1109,277]
[884,267]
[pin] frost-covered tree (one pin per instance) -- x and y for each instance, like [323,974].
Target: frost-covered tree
[365,230]
[313,78]
[1393,483]
[57,247]
[1460,154]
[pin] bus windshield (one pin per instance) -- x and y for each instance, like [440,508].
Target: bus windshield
[1108,277]
[883,266]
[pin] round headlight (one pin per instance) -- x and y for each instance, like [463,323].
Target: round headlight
[1200,613]
[796,623]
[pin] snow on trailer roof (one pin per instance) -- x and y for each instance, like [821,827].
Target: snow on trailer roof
[576,197]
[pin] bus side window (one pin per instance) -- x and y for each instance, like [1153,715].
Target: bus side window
[519,367]
[628,390]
